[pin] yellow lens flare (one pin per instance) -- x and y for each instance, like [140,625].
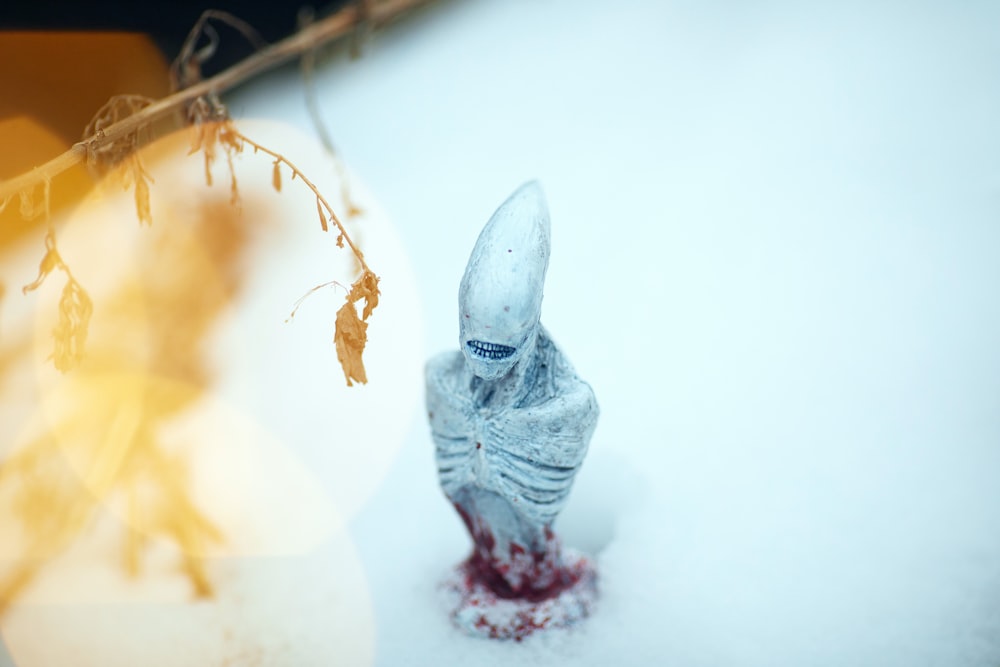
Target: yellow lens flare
[131,445]
[145,364]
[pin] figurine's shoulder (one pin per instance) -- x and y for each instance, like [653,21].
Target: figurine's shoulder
[444,371]
[556,378]
[447,406]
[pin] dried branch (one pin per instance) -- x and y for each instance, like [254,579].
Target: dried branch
[186,69]
[321,202]
[326,30]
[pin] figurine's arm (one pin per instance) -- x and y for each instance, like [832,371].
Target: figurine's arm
[538,450]
[451,426]
[557,431]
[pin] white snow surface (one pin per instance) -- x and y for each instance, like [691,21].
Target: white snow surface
[775,258]
[776,255]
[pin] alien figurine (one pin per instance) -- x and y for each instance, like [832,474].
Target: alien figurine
[511,423]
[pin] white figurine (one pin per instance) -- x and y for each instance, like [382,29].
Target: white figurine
[511,422]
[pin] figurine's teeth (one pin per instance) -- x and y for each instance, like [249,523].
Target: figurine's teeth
[491,351]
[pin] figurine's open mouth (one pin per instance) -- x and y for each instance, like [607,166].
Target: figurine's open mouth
[489,350]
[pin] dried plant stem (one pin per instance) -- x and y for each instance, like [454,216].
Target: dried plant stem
[333,27]
[297,173]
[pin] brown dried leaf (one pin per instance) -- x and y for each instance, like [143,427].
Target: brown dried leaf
[70,333]
[230,138]
[350,337]
[126,174]
[365,287]
[340,240]
[208,167]
[352,333]
[197,138]
[50,261]
[234,192]
[232,143]
[275,176]
[322,217]
[142,200]
[208,141]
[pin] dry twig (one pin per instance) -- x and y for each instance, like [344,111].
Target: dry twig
[326,30]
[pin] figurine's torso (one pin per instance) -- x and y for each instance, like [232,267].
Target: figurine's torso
[508,465]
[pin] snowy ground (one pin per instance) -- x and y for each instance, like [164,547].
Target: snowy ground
[776,231]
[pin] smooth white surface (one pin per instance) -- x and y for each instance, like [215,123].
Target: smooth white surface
[775,240]
[775,232]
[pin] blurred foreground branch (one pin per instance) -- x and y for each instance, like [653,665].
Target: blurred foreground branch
[364,16]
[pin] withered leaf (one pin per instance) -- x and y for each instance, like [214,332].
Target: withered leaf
[70,333]
[50,261]
[322,218]
[142,200]
[352,333]
[230,138]
[365,287]
[210,133]
[350,337]
[234,191]
[197,138]
[276,176]
[232,143]
[208,167]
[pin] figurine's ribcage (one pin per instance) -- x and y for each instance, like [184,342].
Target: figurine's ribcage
[528,456]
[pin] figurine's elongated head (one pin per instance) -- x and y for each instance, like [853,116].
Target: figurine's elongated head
[500,299]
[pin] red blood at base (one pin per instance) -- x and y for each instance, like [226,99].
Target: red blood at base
[480,611]
[540,575]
